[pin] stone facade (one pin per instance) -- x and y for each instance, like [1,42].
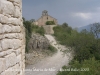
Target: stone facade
[44,18]
[12,41]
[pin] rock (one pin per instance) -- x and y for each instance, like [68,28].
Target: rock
[6,7]
[3,19]
[38,42]
[2,64]
[10,60]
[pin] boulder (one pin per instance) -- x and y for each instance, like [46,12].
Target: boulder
[38,42]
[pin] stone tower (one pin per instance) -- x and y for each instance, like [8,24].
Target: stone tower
[45,13]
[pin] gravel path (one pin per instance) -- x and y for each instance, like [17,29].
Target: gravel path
[52,64]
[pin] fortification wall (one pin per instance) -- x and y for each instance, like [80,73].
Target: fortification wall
[49,29]
[12,41]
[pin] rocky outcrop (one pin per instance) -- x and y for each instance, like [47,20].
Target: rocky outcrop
[38,42]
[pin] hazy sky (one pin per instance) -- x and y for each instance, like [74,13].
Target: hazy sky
[76,13]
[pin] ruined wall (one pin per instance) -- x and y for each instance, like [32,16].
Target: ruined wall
[49,29]
[12,41]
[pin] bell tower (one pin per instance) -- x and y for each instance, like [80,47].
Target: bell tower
[45,13]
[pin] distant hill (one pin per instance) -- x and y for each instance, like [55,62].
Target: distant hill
[87,27]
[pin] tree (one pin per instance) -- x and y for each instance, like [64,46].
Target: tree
[65,25]
[95,29]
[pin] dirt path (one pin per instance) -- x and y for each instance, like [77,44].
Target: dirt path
[52,64]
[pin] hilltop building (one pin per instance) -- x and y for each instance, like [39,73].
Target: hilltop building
[44,18]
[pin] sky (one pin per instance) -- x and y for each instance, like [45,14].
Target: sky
[76,13]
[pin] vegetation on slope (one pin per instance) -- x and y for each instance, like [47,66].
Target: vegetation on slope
[29,29]
[85,46]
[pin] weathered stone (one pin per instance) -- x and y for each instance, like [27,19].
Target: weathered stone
[0,46]
[16,29]
[10,44]
[10,60]
[7,7]
[6,52]
[18,58]
[11,0]
[17,52]
[17,12]
[8,29]
[3,19]
[23,52]
[2,64]
[14,21]
[16,4]
[0,36]
[5,44]
[16,43]
[3,73]
[12,70]
[0,28]
[17,1]
[12,36]
[9,16]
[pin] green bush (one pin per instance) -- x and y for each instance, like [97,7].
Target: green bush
[84,45]
[29,29]
[50,23]
[41,31]
[28,32]
[87,67]
[52,49]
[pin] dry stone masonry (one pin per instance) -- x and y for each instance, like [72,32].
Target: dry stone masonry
[12,41]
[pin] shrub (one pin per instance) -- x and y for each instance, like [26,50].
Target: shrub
[87,67]
[52,49]
[50,23]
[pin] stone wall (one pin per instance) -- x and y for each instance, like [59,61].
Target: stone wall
[12,41]
[49,29]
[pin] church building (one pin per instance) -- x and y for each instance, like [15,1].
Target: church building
[44,18]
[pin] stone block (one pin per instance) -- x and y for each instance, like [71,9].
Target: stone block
[17,12]
[3,73]
[12,70]
[3,19]
[5,44]
[6,29]
[16,43]
[18,58]
[16,29]
[6,52]
[6,7]
[14,21]
[10,44]
[9,29]
[11,36]
[17,1]
[2,65]
[17,52]
[0,47]
[0,36]
[10,60]
[0,28]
